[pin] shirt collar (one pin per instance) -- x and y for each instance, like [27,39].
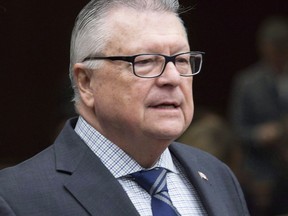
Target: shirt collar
[114,158]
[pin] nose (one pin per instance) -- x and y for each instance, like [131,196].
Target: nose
[170,75]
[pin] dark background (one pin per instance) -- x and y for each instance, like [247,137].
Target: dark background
[34,61]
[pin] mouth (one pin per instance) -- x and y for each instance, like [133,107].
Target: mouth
[165,106]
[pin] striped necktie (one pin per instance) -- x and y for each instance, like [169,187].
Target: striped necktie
[154,182]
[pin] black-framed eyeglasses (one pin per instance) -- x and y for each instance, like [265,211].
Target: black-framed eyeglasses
[153,65]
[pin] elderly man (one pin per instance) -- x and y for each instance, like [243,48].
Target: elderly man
[131,68]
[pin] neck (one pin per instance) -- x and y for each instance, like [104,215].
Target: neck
[146,154]
[145,150]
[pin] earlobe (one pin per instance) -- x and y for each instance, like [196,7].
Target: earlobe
[83,79]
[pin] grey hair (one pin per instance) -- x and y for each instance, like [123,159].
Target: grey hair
[91,33]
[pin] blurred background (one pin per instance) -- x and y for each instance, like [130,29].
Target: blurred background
[36,93]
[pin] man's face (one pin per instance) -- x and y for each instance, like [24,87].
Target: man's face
[132,108]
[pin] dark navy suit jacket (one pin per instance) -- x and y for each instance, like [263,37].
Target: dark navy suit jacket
[67,179]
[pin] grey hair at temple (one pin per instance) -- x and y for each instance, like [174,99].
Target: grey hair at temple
[91,31]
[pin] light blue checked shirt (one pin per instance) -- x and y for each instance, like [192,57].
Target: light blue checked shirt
[182,193]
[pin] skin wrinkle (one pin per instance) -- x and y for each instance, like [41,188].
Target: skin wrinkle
[119,102]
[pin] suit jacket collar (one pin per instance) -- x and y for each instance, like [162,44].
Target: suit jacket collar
[88,177]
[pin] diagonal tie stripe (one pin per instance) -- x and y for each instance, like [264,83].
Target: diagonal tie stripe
[154,182]
[164,198]
[159,183]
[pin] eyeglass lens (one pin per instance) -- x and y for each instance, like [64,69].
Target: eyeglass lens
[151,65]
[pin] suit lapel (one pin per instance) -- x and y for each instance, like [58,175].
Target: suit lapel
[204,184]
[94,187]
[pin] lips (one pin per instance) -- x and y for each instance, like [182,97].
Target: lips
[165,105]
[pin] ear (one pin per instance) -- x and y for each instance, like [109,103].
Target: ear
[83,79]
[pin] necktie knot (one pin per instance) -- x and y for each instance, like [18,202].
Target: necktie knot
[154,182]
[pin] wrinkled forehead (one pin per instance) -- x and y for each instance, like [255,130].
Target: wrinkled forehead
[145,28]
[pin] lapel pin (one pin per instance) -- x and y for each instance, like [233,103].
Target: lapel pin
[203,176]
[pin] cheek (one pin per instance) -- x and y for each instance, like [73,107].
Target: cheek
[121,95]
[189,103]
[190,112]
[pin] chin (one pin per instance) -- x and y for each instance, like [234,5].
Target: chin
[168,135]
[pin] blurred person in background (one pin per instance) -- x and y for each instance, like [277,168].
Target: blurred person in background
[259,111]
